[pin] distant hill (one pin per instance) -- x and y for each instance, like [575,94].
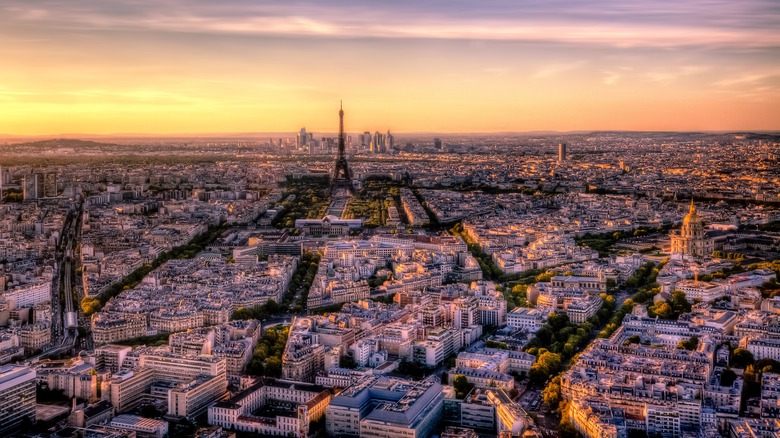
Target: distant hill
[62,143]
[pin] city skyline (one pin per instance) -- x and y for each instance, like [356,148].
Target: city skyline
[171,68]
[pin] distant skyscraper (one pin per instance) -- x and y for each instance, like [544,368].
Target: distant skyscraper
[32,186]
[50,185]
[389,141]
[378,143]
[437,143]
[302,138]
[561,152]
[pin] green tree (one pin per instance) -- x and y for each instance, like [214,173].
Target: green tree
[662,310]
[461,385]
[634,339]
[767,365]
[347,362]
[557,321]
[546,365]
[546,276]
[544,334]
[273,367]
[741,358]
[679,303]
[552,394]
[689,344]
[727,377]
[90,305]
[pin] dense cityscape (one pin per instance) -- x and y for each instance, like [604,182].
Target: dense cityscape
[375,219]
[606,284]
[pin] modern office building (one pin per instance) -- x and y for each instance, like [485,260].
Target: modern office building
[33,186]
[179,369]
[386,407]
[17,397]
[193,398]
[127,388]
[143,427]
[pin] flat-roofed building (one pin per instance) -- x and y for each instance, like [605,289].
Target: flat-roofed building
[193,398]
[702,290]
[524,317]
[29,295]
[111,357]
[17,397]
[272,407]
[328,226]
[181,369]
[127,388]
[143,427]
[385,407]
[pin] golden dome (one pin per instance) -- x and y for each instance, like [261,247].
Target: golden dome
[692,215]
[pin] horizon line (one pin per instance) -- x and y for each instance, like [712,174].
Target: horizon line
[267,133]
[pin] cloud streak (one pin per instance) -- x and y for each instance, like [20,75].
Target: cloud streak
[750,23]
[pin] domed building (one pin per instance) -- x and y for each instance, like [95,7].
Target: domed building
[691,240]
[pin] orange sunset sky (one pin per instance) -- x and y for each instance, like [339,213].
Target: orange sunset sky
[102,67]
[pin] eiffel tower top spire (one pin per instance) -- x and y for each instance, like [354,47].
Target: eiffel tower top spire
[342,177]
[342,139]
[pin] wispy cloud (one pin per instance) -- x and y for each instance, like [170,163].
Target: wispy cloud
[755,86]
[671,74]
[749,23]
[552,70]
[611,78]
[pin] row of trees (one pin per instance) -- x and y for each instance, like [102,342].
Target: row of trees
[603,242]
[489,269]
[266,310]
[772,287]
[549,363]
[91,304]
[303,278]
[559,335]
[728,255]
[267,356]
[373,201]
[754,370]
[644,280]
[607,316]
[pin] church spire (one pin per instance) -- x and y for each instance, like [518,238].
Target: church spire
[693,207]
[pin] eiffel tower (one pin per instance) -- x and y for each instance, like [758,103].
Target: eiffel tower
[342,178]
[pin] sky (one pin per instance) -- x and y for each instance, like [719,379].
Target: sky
[202,66]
